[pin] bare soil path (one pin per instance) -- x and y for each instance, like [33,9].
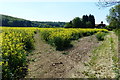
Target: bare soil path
[46,62]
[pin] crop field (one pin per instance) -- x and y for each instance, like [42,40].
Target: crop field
[17,43]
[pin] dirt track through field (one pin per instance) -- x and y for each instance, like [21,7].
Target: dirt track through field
[46,62]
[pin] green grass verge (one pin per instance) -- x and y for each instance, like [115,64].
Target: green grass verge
[104,59]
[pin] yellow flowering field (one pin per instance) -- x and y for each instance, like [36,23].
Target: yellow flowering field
[14,46]
[61,37]
[16,42]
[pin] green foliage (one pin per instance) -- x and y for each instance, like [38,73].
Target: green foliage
[117,31]
[77,23]
[85,18]
[91,19]
[68,25]
[15,44]
[109,27]
[57,38]
[60,43]
[100,36]
[88,24]
[65,53]
[88,21]
[61,38]
[85,22]
[114,17]
[45,34]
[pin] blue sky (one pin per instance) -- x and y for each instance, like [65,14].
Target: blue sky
[53,11]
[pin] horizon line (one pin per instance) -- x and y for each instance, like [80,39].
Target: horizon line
[42,20]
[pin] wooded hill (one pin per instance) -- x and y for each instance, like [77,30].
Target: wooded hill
[10,21]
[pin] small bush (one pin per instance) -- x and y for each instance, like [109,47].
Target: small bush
[45,35]
[60,40]
[100,36]
[65,53]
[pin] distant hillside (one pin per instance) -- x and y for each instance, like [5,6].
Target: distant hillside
[10,21]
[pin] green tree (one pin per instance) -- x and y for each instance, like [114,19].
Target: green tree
[92,20]
[76,22]
[68,25]
[88,24]
[114,17]
[84,20]
[88,20]
[10,23]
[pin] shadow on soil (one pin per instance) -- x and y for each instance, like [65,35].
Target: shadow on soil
[64,48]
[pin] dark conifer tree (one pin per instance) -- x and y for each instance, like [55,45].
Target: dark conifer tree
[92,20]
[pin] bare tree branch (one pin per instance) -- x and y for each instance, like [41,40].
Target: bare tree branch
[107,3]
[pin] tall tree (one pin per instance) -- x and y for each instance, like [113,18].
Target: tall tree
[92,20]
[84,20]
[77,23]
[114,17]
[88,24]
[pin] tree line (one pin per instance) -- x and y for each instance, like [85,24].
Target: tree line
[84,22]
[10,21]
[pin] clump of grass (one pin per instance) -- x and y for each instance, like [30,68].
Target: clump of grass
[100,36]
[65,53]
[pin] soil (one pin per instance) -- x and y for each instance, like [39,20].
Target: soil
[46,62]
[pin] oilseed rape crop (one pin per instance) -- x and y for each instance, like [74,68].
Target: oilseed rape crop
[61,38]
[16,42]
